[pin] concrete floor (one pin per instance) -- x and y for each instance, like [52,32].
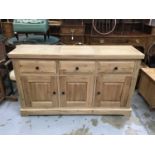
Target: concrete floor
[141,122]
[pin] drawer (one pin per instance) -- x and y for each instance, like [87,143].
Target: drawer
[115,66]
[76,66]
[37,66]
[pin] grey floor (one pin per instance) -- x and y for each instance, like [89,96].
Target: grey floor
[141,122]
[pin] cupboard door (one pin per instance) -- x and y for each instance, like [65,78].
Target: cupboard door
[112,90]
[40,91]
[76,91]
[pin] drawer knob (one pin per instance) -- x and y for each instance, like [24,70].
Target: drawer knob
[54,93]
[63,93]
[98,93]
[37,68]
[76,68]
[115,68]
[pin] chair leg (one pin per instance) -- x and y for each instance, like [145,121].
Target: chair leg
[44,36]
[16,35]
[48,34]
[26,35]
[12,95]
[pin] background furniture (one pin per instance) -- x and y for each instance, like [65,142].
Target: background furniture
[136,32]
[147,85]
[2,71]
[54,26]
[75,79]
[2,48]
[6,86]
[72,32]
[7,28]
[151,55]
[30,26]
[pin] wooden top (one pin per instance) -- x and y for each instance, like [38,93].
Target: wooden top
[75,52]
[150,72]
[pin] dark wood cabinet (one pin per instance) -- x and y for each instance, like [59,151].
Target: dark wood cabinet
[7,28]
[72,34]
[2,49]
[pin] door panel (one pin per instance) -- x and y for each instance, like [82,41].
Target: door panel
[73,88]
[112,90]
[76,91]
[40,91]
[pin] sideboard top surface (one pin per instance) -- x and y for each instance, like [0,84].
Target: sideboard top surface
[75,52]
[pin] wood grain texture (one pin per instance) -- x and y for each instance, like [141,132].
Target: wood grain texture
[76,91]
[112,90]
[115,66]
[37,66]
[76,111]
[58,87]
[19,83]
[150,72]
[147,87]
[39,89]
[75,52]
[133,81]
[76,67]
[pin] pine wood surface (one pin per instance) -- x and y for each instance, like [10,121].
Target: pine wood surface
[75,79]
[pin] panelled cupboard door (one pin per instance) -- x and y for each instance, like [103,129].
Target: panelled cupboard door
[76,91]
[40,91]
[112,90]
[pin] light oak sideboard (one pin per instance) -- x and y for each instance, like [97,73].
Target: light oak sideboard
[59,79]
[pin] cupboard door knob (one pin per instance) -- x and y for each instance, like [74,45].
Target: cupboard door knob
[63,93]
[98,93]
[115,68]
[54,93]
[37,68]
[77,68]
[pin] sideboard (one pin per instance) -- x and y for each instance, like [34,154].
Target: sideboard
[63,79]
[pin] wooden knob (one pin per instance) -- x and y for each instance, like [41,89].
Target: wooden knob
[98,93]
[77,68]
[63,93]
[54,93]
[115,68]
[37,68]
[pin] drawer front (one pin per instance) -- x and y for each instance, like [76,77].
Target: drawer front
[76,66]
[41,66]
[115,66]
